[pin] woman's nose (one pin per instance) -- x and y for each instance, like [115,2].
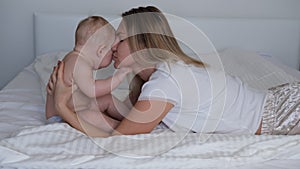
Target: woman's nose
[115,45]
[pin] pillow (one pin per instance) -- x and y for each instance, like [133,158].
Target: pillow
[44,64]
[260,72]
[254,69]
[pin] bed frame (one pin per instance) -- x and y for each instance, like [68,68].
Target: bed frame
[279,38]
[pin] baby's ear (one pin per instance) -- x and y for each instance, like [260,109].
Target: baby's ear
[100,51]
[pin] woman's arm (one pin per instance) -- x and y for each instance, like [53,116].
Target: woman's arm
[143,117]
[50,110]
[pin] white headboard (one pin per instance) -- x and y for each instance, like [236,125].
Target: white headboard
[277,37]
[55,32]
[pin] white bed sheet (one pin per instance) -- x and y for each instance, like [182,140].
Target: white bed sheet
[26,142]
[21,103]
[61,146]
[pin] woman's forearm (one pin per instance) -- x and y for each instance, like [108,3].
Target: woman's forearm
[50,110]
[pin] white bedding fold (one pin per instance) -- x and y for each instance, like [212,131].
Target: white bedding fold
[65,147]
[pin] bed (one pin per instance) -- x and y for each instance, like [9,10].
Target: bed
[28,142]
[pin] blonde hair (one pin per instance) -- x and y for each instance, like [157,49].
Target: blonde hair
[87,27]
[147,28]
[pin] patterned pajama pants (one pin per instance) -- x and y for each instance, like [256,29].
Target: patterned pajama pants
[282,110]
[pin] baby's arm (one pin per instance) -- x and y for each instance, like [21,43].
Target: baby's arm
[85,81]
[83,78]
[105,86]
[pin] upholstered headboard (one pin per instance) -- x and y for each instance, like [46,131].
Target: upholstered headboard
[279,38]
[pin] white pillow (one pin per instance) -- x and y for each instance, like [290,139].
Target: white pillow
[44,64]
[254,69]
[257,71]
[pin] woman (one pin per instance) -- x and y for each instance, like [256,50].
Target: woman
[177,89]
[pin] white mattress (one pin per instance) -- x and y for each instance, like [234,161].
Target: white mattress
[26,142]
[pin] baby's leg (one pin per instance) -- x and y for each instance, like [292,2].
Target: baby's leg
[112,106]
[96,119]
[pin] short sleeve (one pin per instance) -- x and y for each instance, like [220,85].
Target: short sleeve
[161,86]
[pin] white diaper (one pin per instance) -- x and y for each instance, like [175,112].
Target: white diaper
[54,119]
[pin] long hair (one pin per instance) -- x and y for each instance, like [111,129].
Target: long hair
[148,31]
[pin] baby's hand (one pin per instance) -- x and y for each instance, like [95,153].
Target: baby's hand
[74,88]
[122,72]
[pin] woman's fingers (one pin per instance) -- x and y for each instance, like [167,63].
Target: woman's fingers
[62,92]
[52,80]
[49,89]
[60,70]
[53,77]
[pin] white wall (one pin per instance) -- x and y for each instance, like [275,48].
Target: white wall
[16,18]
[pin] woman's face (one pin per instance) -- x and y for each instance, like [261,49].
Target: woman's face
[121,50]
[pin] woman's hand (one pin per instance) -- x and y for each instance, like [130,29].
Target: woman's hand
[52,81]
[61,92]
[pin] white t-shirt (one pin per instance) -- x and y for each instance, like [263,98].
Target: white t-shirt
[190,89]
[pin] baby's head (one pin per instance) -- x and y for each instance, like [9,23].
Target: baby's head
[94,38]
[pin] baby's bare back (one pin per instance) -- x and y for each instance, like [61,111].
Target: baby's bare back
[79,101]
[70,61]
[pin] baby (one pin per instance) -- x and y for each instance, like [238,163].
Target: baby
[93,40]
